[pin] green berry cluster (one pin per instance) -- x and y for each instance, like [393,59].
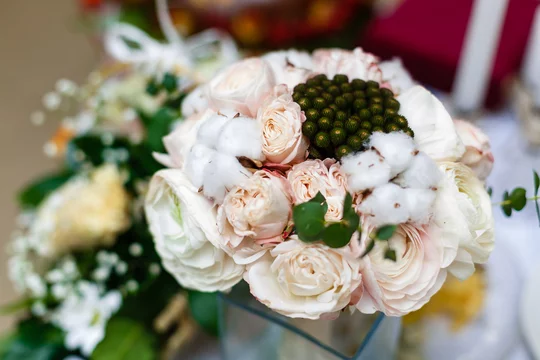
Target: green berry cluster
[341,114]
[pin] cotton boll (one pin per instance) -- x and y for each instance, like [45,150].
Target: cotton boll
[197,159]
[387,205]
[222,173]
[422,173]
[209,131]
[419,203]
[365,170]
[241,136]
[397,148]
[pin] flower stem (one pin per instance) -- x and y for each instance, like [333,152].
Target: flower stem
[508,202]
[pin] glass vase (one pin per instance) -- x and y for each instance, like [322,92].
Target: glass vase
[249,330]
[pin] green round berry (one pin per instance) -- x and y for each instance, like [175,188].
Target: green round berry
[341,79]
[346,88]
[334,90]
[313,82]
[389,113]
[338,136]
[319,103]
[309,128]
[366,125]
[300,88]
[339,124]
[341,102]
[341,116]
[304,103]
[312,114]
[328,97]
[326,83]
[170,82]
[392,104]
[386,93]
[312,92]
[376,109]
[342,151]
[328,112]
[364,114]
[333,107]
[377,128]
[409,132]
[359,94]
[358,84]
[297,96]
[348,97]
[377,120]
[372,92]
[372,84]
[363,134]
[355,142]
[320,77]
[359,104]
[400,121]
[376,100]
[314,153]
[324,123]
[391,127]
[352,124]
[322,139]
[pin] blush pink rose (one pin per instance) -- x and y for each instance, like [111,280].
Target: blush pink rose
[478,155]
[356,64]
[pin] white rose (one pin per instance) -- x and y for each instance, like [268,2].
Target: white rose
[356,64]
[241,87]
[281,122]
[257,210]
[184,227]
[478,155]
[399,287]
[290,67]
[302,280]
[434,130]
[312,176]
[463,214]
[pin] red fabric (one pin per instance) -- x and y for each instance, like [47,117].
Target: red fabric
[429,35]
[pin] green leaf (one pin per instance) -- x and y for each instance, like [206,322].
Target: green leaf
[386,232]
[337,235]
[536,183]
[309,220]
[507,204]
[390,254]
[490,191]
[158,127]
[369,248]
[170,82]
[32,195]
[518,198]
[319,199]
[35,340]
[126,339]
[347,205]
[15,306]
[204,309]
[6,342]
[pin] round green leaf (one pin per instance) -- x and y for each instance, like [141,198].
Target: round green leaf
[337,235]
[506,207]
[390,254]
[518,198]
[386,232]
[204,309]
[309,220]
[536,183]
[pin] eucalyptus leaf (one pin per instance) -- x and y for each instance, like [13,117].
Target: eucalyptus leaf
[320,199]
[126,339]
[309,220]
[386,232]
[518,198]
[32,195]
[536,183]
[158,127]
[34,340]
[369,247]
[507,204]
[337,235]
[347,205]
[204,309]
[390,254]
[490,191]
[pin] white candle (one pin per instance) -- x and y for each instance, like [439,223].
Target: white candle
[531,63]
[478,54]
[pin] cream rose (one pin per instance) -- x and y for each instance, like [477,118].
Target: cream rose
[356,64]
[184,227]
[399,287]
[257,210]
[313,176]
[478,155]
[86,212]
[281,124]
[463,214]
[241,87]
[290,67]
[302,280]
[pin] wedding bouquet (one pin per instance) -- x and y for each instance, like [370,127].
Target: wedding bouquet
[324,181]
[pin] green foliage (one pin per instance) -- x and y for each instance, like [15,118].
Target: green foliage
[32,195]
[204,309]
[126,339]
[158,126]
[385,232]
[14,307]
[506,205]
[33,340]
[337,235]
[536,187]
[518,197]
[390,254]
